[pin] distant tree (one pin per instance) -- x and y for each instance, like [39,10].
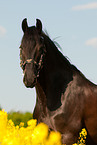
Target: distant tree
[18,117]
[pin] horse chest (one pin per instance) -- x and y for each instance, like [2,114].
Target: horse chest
[61,119]
[43,114]
[58,122]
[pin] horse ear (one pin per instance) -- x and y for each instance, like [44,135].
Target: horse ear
[24,25]
[39,25]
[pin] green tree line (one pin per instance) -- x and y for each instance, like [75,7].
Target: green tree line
[18,117]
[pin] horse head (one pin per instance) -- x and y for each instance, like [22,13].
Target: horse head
[32,51]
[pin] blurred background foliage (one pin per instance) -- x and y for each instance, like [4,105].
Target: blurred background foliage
[18,117]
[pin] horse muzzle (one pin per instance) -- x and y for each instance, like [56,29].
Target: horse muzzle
[30,78]
[29,83]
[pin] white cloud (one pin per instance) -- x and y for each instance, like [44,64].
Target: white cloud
[2,31]
[92,42]
[85,7]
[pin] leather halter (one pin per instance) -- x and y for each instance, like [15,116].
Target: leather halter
[39,64]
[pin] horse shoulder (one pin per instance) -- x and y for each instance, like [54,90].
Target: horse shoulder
[70,113]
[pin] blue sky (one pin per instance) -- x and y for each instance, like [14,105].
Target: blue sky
[73,22]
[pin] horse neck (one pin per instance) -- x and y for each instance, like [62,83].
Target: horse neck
[54,76]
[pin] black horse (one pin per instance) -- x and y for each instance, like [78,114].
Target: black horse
[66,100]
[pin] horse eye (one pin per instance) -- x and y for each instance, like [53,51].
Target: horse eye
[41,39]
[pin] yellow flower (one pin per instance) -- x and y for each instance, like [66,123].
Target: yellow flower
[3,124]
[82,137]
[32,123]
[21,124]
[54,138]
[84,132]
[31,135]
[40,133]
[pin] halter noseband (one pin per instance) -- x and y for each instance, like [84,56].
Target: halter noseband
[28,61]
[39,64]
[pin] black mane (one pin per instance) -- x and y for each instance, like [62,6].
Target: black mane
[57,51]
[55,46]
